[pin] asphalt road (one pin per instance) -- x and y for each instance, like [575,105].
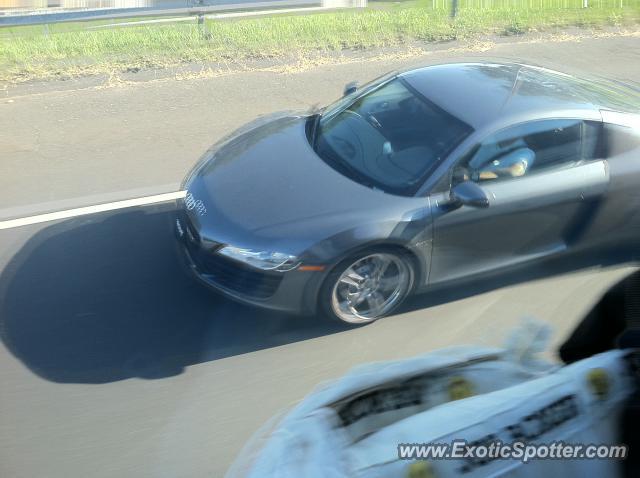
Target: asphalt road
[114,363]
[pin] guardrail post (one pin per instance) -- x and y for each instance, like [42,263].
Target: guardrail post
[585,3]
[202,26]
[454,8]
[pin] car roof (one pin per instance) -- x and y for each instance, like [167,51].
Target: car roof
[481,93]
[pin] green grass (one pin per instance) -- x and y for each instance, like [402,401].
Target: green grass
[64,50]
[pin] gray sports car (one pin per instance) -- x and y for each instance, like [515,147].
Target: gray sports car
[417,179]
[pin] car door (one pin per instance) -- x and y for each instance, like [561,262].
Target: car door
[540,178]
[615,229]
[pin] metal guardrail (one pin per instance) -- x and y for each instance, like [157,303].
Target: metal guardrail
[35,18]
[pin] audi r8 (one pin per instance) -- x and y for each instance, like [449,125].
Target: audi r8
[417,179]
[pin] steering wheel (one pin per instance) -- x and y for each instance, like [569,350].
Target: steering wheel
[369,118]
[373,121]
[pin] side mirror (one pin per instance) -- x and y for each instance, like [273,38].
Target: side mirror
[469,193]
[349,88]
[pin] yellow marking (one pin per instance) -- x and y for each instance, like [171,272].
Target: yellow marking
[459,388]
[420,469]
[599,382]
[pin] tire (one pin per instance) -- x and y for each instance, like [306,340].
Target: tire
[367,286]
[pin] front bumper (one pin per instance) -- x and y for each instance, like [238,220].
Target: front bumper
[292,292]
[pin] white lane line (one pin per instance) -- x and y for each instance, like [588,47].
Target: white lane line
[81,211]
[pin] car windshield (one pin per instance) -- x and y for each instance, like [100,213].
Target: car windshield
[390,137]
[340,104]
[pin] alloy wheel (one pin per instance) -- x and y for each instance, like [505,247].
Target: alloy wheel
[371,287]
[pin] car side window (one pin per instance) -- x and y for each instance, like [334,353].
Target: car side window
[529,148]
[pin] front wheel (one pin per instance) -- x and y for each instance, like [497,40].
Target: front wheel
[367,287]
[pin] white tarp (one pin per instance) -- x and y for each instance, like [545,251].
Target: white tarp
[353,426]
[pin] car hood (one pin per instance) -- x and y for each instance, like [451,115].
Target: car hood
[267,188]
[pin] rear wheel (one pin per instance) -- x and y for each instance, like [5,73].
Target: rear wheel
[367,287]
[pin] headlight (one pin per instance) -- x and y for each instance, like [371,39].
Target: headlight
[268,261]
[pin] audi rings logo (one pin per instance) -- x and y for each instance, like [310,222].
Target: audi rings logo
[193,204]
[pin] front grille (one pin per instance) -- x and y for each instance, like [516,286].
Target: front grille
[227,273]
[189,229]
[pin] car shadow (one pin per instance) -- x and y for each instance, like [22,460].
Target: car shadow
[103,298]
